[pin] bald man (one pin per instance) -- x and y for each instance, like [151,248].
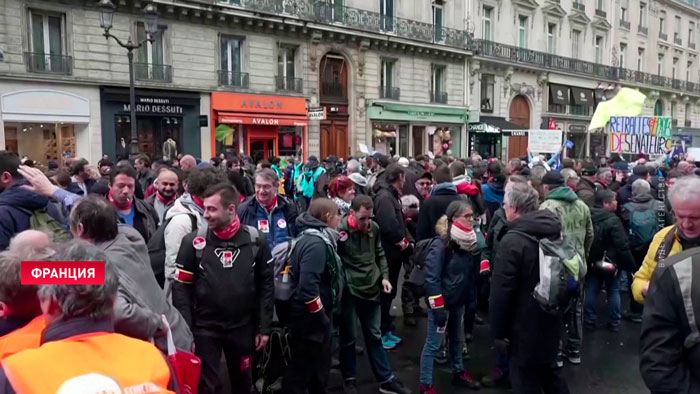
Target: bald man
[167,184]
[28,242]
[187,162]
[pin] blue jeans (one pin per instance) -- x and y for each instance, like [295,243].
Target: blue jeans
[434,340]
[593,286]
[369,313]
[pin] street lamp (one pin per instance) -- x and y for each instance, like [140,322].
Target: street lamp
[107,9]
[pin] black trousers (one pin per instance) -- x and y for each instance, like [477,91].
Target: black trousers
[309,365]
[537,379]
[238,346]
[385,299]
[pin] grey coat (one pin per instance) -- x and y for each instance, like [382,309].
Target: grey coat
[140,301]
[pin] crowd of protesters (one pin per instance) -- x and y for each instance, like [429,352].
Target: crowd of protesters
[217,257]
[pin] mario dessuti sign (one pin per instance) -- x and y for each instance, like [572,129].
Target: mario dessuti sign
[640,134]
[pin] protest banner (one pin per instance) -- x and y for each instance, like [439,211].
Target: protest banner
[544,141]
[640,134]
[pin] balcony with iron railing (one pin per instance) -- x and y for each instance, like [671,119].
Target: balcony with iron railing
[153,72]
[334,91]
[289,84]
[601,13]
[625,24]
[579,6]
[234,79]
[643,29]
[438,97]
[38,62]
[677,40]
[691,45]
[389,92]
[663,36]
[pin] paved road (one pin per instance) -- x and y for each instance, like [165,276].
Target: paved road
[610,362]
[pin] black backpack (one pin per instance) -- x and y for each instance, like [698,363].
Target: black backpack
[156,248]
[420,253]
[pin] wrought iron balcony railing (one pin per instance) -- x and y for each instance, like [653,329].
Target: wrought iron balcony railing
[625,24]
[579,6]
[389,92]
[289,84]
[691,45]
[47,63]
[601,13]
[153,72]
[643,29]
[677,40]
[663,36]
[438,97]
[234,79]
[333,90]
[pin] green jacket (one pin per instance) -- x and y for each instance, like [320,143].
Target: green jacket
[363,260]
[574,215]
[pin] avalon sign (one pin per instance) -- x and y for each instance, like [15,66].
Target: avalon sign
[317,113]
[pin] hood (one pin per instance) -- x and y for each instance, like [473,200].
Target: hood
[468,189]
[600,215]
[184,204]
[381,185]
[643,199]
[493,192]
[17,196]
[444,189]
[306,221]
[540,224]
[563,193]
[358,179]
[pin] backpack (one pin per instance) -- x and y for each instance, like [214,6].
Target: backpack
[39,219]
[156,248]
[643,225]
[272,362]
[282,267]
[561,269]
[420,253]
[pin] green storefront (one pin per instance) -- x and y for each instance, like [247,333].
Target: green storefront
[160,114]
[411,130]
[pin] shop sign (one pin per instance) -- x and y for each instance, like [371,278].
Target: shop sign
[261,103]
[483,128]
[577,128]
[640,134]
[317,113]
[266,121]
[544,141]
[162,109]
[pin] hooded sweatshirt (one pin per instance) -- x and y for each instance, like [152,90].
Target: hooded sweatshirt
[12,219]
[493,196]
[180,217]
[433,208]
[575,217]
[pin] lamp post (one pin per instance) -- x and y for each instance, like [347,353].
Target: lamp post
[107,9]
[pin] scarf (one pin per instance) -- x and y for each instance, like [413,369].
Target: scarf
[343,206]
[120,206]
[198,201]
[352,223]
[165,200]
[271,205]
[463,236]
[229,231]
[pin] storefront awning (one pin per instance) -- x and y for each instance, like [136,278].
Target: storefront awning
[263,120]
[418,113]
[493,124]
[559,94]
[582,96]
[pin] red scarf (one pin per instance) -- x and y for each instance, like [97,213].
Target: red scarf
[229,231]
[351,222]
[462,227]
[198,201]
[271,205]
[120,206]
[164,200]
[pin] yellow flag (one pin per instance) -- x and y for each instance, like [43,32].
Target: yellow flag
[627,102]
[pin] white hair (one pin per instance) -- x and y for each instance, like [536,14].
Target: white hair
[640,187]
[353,166]
[686,188]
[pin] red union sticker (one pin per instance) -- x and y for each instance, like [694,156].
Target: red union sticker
[63,272]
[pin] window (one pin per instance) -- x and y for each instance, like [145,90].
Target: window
[659,108]
[687,71]
[660,65]
[599,50]
[437,22]
[487,83]
[232,62]
[642,15]
[623,14]
[551,38]
[662,22]
[691,34]
[438,84]
[522,31]
[688,122]
[386,10]
[286,68]
[674,67]
[47,32]
[488,12]
[575,43]
[640,59]
[152,56]
[673,111]
[387,79]
[677,30]
[623,53]
[600,4]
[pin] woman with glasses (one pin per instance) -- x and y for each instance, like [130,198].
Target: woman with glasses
[449,286]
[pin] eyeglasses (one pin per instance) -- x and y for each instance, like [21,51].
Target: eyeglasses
[468,216]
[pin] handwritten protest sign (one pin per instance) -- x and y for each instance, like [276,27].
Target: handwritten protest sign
[640,134]
[544,141]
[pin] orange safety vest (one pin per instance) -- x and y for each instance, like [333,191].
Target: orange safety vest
[130,362]
[27,337]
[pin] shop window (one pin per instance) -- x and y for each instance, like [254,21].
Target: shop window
[445,140]
[582,110]
[385,138]
[47,42]
[231,72]
[417,133]
[289,142]
[40,141]
[227,138]
[403,140]
[487,83]
[153,131]
[438,93]
[286,69]
[152,57]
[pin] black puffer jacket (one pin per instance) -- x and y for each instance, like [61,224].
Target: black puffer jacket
[433,208]
[514,312]
[389,216]
[498,221]
[610,239]
[450,272]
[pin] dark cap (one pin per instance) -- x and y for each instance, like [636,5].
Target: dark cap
[331,159]
[553,178]
[640,170]
[425,174]
[588,168]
